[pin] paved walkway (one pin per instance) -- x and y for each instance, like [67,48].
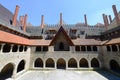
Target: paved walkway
[67,75]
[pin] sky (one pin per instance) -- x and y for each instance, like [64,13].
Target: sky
[72,10]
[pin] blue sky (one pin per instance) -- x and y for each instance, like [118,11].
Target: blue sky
[73,10]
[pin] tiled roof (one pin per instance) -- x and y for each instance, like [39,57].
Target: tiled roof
[86,42]
[42,42]
[113,41]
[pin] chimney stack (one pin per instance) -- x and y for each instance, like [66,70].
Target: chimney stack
[116,14]
[61,19]
[105,19]
[110,18]
[42,21]
[15,15]
[85,18]
[25,22]
[21,20]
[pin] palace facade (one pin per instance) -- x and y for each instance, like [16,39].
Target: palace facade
[80,46]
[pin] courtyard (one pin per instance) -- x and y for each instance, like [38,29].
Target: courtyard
[67,75]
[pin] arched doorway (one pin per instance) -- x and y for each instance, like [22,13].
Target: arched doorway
[83,63]
[7,71]
[50,63]
[95,63]
[114,66]
[61,64]
[38,63]
[72,63]
[21,66]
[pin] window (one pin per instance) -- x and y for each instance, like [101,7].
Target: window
[77,48]
[45,48]
[82,32]
[38,48]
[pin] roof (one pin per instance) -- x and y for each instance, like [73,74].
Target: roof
[7,16]
[113,41]
[41,42]
[79,41]
[65,34]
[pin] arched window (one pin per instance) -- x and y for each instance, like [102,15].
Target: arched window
[21,66]
[25,48]
[50,63]
[88,48]
[83,63]
[61,64]
[108,48]
[21,48]
[38,63]
[38,48]
[95,48]
[45,48]
[6,48]
[114,48]
[83,48]
[94,63]
[72,63]
[77,48]
[7,71]
[15,48]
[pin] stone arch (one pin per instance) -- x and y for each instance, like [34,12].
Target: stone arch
[38,62]
[95,63]
[72,63]
[21,66]
[7,71]
[114,66]
[61,64]
[83,63]
[6,48]
[15,48]
[50,62]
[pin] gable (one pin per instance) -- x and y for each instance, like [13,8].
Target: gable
[61,36]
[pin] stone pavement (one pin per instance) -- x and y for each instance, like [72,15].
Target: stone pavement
[67,75]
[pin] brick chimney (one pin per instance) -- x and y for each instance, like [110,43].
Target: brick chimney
[110,18]
[42,21]
[116,14]
[61,19]
[15,15]
[85,18]
[105,20]
[25,22]
[21,20]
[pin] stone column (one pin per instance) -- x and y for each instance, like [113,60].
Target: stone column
[11,48]
[2,45]
[51,48]
[72,49]
[18,48]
